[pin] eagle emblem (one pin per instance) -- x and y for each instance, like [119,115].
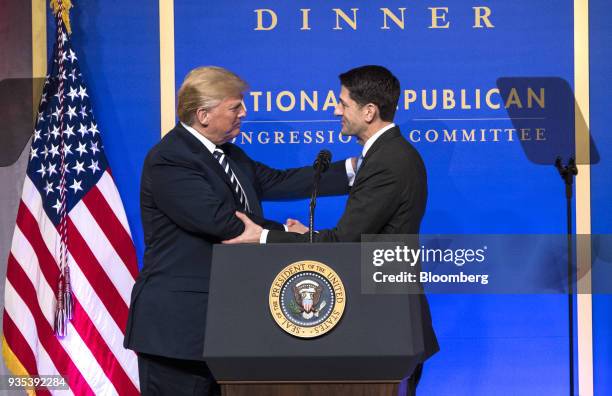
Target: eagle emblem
[307,295]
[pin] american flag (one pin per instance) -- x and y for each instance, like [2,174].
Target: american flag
[70,215]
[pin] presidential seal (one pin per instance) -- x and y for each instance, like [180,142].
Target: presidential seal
[307,299]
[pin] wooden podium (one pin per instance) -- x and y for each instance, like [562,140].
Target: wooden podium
[379,340]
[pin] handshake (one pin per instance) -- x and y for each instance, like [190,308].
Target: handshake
[295,226]
[252,232]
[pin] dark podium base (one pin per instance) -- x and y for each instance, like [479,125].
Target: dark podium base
[309,389]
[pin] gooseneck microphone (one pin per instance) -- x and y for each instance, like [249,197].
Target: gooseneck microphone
[320,165]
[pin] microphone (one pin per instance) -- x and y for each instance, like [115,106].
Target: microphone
[322,161]
[320,165]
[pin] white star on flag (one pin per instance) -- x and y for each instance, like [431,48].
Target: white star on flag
[57,206]
[67,149]
[94,147]
[72,94]
[54,150]
[83,130]
[42,171]
[82,92]
[79,167]
[71,112]
[51,169]
[49,187]
[76,186]
[36,135]
[94,166]
[93,129]
[56,112]
[72,56]
[68,132]
[55,132]
[81,149]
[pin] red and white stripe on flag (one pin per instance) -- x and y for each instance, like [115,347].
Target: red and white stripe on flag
[69,189]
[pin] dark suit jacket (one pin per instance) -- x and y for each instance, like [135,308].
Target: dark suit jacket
[187,205]
[388,197]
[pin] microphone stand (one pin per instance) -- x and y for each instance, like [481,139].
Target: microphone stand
[567,173]
[313,201]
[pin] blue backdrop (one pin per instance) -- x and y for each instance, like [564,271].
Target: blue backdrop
[478,183]
[600,35]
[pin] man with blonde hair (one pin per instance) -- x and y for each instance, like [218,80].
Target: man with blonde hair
[193,182]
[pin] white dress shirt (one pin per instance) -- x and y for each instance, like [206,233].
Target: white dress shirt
[209,145]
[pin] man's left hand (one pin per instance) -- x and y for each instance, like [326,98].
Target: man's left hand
[251,233]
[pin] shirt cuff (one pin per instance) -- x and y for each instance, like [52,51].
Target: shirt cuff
[284,226]
[263,238]
[350,172]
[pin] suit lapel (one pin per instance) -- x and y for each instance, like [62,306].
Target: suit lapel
[381,141]
[202,152]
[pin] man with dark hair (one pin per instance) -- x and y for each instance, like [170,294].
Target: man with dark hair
[373,84]
[389,185]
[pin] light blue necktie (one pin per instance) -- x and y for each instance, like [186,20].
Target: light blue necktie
[359,161]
